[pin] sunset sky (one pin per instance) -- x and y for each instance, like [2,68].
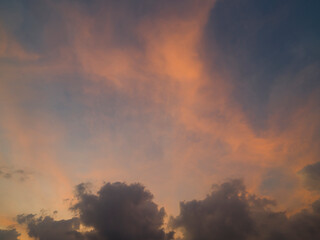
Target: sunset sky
[187,98]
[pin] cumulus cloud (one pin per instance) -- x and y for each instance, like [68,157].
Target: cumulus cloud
[121,211]
[311,176]
[127,212]
[224,214]
[229,212]
[117,212]
[11,234]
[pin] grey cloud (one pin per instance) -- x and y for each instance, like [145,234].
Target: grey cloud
[46,228]
[11,234]
[229,212]
[311,176]
[117,212]
[11,173]
[121,211]
[127,212]
[224,214]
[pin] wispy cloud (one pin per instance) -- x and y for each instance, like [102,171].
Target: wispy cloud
[14,174]
[175,94]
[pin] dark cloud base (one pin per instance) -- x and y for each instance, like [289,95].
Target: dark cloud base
[118,212]
[9,234]
[230,213]
[127,212]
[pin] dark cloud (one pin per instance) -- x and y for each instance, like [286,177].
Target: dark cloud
[311,176]
[11,234]
[121,211]
[127,212]
[46,228]
[117,212]
[222,215]
[229,212]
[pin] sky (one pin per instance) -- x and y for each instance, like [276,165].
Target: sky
[159,119]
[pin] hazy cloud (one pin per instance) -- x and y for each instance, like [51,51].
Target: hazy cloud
[172,85]
[10,173]
[311,176]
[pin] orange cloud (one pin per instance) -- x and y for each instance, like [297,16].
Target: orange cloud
[206,134]
[168,70]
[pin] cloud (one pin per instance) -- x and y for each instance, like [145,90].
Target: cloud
[241,36]
[121,211]
[222,215]
[11,49]
[117,211]
[10,173]
[127,212]
[311,176]
[9,234]
[229,212]
[49,229]
[132,87]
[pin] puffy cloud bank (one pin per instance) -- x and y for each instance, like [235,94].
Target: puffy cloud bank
[229,212]
[119,211]
[47,228]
